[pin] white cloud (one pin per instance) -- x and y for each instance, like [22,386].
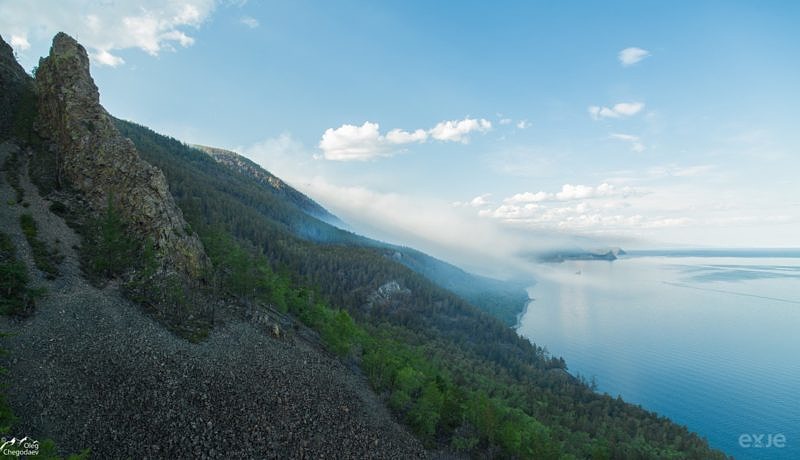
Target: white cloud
[250,22]
[628,108]
[477,202]
[106,58]
[630,56]
[520,124]
[623,109]
[510,211]
[458,130]
[105,27]
[583,209]
[365,142]
[674,203]
[634,141]
[583,217]
[350,142]
[480,200]
[597,112]
[20,43]
[625,137]
[571,192]
[575,192]
[398,136]
[283,156]
[529,197]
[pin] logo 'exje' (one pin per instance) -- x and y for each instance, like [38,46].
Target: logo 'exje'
[762,440]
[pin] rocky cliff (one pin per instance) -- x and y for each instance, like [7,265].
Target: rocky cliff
[13,83]
[101,164]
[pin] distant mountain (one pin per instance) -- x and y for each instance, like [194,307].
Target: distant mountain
[249,168]
[608,254]
[717,252]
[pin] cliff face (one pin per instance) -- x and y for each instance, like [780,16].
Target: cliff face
[13,83]
[96,160]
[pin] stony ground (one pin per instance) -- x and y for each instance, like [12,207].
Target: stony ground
[89,369]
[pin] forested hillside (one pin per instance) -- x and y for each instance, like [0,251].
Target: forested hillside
[502,299]
[459,377]
[271,182]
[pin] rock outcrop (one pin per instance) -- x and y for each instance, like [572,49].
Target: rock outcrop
[101,164]
[13,84]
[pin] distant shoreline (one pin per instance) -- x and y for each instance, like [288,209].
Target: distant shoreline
[721,252]
[522,313]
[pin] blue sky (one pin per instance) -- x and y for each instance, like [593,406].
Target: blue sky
[474,127]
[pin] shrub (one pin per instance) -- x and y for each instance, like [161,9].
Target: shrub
[17,298]
[46,258]
[108,249]
[58,208]
[12,169]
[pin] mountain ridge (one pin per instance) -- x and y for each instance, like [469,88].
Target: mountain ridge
[246,166]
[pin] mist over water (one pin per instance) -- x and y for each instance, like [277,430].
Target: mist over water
[711,342]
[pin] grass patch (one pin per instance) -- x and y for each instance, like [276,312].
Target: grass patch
[12,169]
[46,258]
[17,298]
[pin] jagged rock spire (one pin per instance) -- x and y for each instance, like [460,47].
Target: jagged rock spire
[105,166]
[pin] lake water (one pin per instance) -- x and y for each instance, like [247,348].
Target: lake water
[711,342]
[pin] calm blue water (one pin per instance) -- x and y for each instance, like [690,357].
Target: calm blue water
[712,343]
